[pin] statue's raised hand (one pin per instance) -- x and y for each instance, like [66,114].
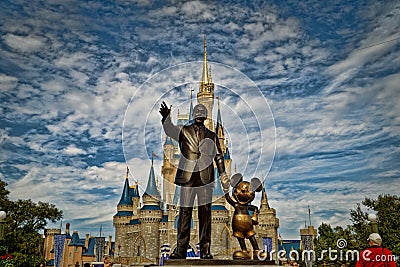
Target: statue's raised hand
[164,111]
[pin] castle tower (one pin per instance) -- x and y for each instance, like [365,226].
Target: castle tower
[268,224]
[205,95]
[168,170]
[134,193]
[150,218]
[123,217]
[220,231]
[49,242]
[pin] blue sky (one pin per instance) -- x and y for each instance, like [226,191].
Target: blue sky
[329,71]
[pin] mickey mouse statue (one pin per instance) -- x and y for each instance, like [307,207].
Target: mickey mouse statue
[242,222]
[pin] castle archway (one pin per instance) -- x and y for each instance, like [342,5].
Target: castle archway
[139,248]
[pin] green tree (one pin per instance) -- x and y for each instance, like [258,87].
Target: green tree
[330,239]
[25,219]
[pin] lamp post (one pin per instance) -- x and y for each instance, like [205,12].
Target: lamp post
[374,225]
[3,215]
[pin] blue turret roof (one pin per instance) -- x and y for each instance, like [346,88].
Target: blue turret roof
[219,121]
[219,118]
[191,110]
[151,189]
[151,207]
[227,155]
[134,221]
[76,241]
[218,207]
[217,189]
[124,213]
[126,198]
[90,248]
[177,195]
[168,141]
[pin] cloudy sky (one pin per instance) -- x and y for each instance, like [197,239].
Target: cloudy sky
[81,82]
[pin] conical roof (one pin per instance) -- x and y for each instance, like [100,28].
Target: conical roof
[151,189]
[126,199]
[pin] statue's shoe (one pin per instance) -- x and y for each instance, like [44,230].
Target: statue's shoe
[241,255]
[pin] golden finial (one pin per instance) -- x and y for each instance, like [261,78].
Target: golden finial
[127,172]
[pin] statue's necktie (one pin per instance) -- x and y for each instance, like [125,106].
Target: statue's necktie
[200,132]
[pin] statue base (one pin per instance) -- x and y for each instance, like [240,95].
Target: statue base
[210,263]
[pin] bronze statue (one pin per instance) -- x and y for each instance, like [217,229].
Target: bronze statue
[242,222]
[195,174]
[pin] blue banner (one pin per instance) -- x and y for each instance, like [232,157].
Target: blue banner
[267,243]
[59,241]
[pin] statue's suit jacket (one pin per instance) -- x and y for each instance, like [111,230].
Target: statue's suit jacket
[197,153]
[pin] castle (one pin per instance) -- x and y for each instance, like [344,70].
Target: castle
[144,226]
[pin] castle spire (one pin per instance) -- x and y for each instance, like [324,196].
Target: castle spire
[126,198]
[264,199]
[191,105]
[205,95]
[219,119]
[151,189]
[204,77]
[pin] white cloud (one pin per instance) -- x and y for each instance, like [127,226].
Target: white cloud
[24,43]
[7,82]
[72,150]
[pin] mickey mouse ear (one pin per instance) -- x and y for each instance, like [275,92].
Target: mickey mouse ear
[256,184]
[236,179]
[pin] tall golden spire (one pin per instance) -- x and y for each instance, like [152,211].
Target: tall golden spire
[204,77]
[205,95]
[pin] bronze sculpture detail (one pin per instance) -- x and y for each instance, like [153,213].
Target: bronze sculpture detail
[199,148]
[242,222]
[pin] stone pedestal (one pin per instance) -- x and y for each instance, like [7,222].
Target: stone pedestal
[211,263]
